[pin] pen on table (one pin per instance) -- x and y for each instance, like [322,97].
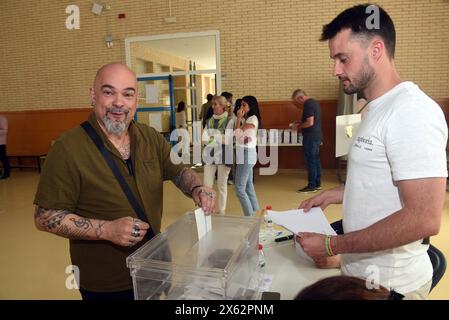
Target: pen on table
[284,238]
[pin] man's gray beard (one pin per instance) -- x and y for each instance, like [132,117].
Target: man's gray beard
[115,127]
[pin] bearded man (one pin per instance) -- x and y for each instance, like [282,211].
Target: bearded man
[79,196]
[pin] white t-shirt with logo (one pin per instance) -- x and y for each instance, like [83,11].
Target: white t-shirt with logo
[250,133]
[403,136]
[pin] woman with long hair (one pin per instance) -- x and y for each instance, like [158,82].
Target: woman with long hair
[247,123]
[180,116]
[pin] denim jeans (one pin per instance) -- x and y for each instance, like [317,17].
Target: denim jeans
[312,159]
[244,187]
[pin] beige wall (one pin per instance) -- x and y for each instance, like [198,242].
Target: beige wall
[268,47]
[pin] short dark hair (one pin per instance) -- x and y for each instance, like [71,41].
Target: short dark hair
[226,94]
[355,19]
[209,96]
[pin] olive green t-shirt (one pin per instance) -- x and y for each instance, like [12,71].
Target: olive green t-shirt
[76,178]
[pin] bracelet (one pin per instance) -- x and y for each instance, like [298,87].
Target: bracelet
[327,244]
[193,189]
[330,247]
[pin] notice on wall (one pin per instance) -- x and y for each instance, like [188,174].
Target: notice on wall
[155,120]
[151,93]
[345,129]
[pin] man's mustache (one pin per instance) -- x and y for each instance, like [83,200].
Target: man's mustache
[116,109]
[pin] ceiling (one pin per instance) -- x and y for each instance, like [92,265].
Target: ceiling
[201,50]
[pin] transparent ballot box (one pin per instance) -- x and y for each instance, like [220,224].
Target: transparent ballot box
[223,264]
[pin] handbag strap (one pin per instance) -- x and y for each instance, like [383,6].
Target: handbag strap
[115,170]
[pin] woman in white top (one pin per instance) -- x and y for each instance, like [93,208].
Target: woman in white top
[248,121]
[180,116]
[215,154]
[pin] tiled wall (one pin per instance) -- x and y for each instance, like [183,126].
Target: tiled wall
[268,47]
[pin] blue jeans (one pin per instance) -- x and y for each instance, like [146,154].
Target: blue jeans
[244,187]
[312,159]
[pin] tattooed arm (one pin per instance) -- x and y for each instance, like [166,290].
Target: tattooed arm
[186,180]
[191,185]
[68,225]
[75,227]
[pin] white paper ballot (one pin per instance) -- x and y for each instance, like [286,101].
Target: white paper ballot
[203,223]
[297,221]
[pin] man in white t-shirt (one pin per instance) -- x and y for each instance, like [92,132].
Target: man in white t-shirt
[395,187]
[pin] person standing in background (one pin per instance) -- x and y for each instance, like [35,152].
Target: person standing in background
[3,154]
[248,122]
[216,140]
[312,136]
[180,116]
[204,109]
[229,106]
[230,110]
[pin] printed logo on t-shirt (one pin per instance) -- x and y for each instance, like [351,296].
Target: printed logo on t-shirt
[365,143]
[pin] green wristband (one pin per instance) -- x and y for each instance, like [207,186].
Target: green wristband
[326,244]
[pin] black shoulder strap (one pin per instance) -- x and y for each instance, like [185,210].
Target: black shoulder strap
[115,170]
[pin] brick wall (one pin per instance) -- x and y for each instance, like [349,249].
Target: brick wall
[268,47]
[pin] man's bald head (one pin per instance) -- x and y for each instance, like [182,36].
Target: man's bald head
[113,68]
[114,97]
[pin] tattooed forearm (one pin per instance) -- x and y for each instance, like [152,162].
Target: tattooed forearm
[186,180]
[68,225]
[39,211]
[82,223]
[49,219]
[72,233]
[99,229]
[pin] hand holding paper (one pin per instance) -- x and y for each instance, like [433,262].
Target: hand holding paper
[205,197]
[312,226]
[312,244]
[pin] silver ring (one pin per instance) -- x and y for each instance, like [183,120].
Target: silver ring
[210,194]
[135,233]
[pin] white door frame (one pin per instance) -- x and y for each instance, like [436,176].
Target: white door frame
[215,33]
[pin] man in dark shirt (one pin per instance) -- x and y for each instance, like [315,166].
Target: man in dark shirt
[79,198]
[310,125]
